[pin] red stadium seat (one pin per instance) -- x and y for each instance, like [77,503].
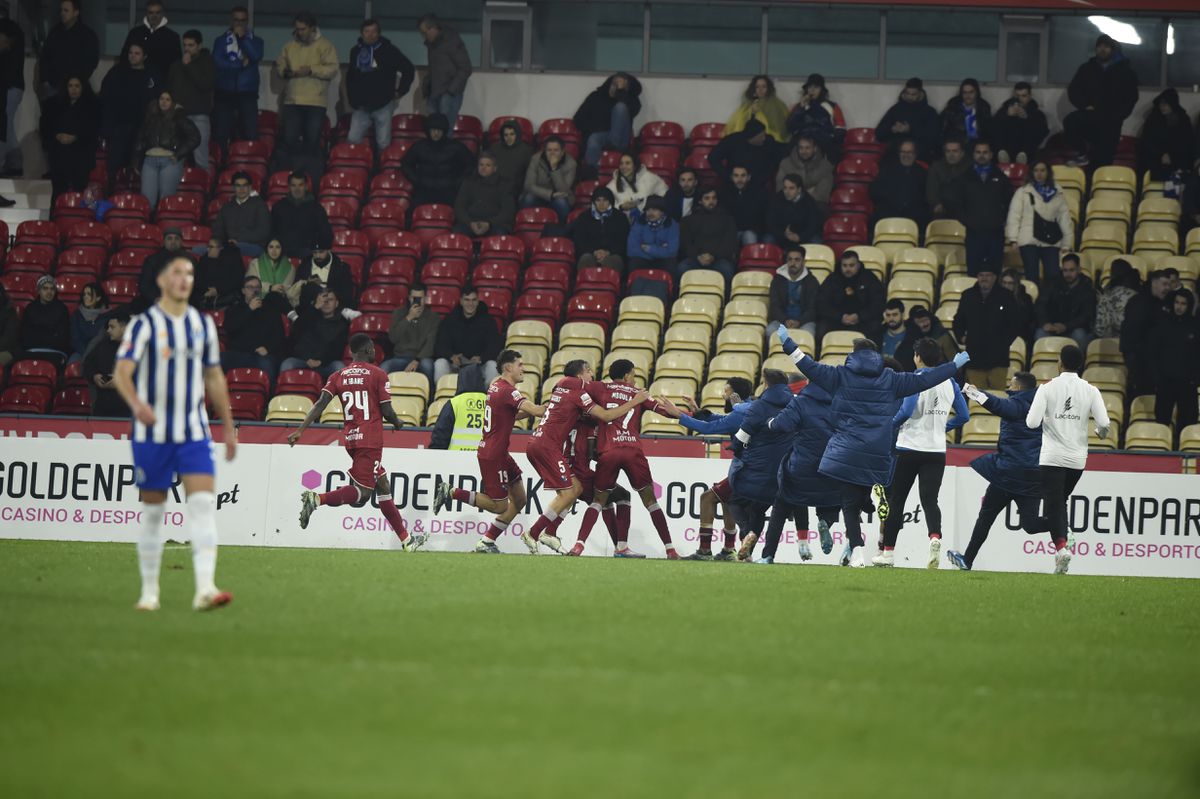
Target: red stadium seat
[545,306]
[33,373]
[431,221]
[609,160]
[499,304]
[452,245]
[393,156]
[564,129]
[444,272]
[141,236]
[373,324]
[851,198]
[384,215]
[583,193]
[530,221]
[248,155]
[399,243]
[553,248]
[128,207]
[20,285]
[548,276]
[661,134]
[39,231]
[351,242]
[72,401]
[73,375]
[67,206]
[196,181]
[503,248]
[662,162]
[392,271]
[80,261]
[698,160]
[442,299]
[707,134]
[249,381]
[70,286]
[1015,173]
[468,129]
[25,399]
[302,382]
[846,226]
[120,290]
[412,125]
[246,407]
[857,169]
[861,141]
[760,255]
[661,275]
[195,235]
[88,233]
[524,124]
[127,263]
[382,299]
[342,211]
[277,184]
[347,156]
[30,258]
[390,185]
[598,278]
[496,274]
[591,306]
[180,209]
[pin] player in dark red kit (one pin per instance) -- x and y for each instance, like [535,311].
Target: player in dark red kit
[362,388]
[581,445]
[621,451]
[547,451]
[503,492]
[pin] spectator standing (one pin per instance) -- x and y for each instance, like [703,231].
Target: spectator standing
[413,332]
[378,75]
[751,148]
[512,154]
[633,184]
[653,238]
[158,41]
[947,181]
[1019,126]
[10,329]
[818,118]
[792,215]
[1143,313]
[192,82]
[244,221]
[484,206]
[148,290]
[986,199]
[220,277]
[88,320]
[460,422]
[549,179]
[760,102]
[71,49]
[298,220]
[126,93]
[1174,348]
[12,84]
[967,116]
[467,336]
[912,118]
[814,169]
[318,337]
[46,324]
[923,324]
[1124,283]
[851,298]
[792,298]
[237,53]
[1039,224]
[320,272]
[436,164]
[1067,305]
[167,137]
[746,201]
[899,189]
[682,197]
[986,324]
[892,335]
[605,117]
[1026,313]
[69,133]
[708,238]
[307,64]
[449,68]
[601,234]
[256,337]
[98,367]
[1104,92]
[276,275]
[1168,143]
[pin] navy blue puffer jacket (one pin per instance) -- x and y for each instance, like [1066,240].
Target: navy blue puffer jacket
[754,475]
[1013,467]
[808,418]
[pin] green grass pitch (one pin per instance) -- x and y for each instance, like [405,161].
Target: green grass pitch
[376,674]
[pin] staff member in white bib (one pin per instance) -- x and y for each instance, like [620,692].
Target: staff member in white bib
[1062,408]
[924,419]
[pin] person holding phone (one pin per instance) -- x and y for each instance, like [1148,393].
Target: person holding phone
[413,332]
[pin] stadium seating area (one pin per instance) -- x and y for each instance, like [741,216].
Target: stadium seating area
[553,312]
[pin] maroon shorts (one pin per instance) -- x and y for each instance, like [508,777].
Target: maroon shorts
[722,490]
[498,475]
[551,465]
[630,460]
[587,479]
[365,467]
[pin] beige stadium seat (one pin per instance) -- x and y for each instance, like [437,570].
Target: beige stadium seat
[1141,409]
[740,364]
[876,259]
[781,362]
[1148,436]
[642,361]
[819,259]
[409,384]
[548,386]
[955,264]
[431,413]
[1073,201]
[584,335]
[1105,352]
[681,364]
[918,260]
[1017,353]
[692,336]
[893,234]
[1044,371]
[740,338]
[676,390]
[702,308]
[954,286]
[1188,266]
[1095,442]
[529,387]
[535,361]
[1114,403]
[1103,238]
[411,410]
[912,288]
[288,408]
[637,336]
[654,424]
[640,308]
[1106,378]
[747,311]
[839,342]
[564,355]
[1136,261]
[1152,187]
[1193,242]
[945,236]
[1110,208]
[982,430]
[1070,178]
[447,387]
[332,413]
[702,281]
[1114,179]
[1031,288]
[1159,209]
[712,396]
[751,284]
[945,313]
[529,331]
[1155,237]
[1047,349]
[1189,438]
[802,338]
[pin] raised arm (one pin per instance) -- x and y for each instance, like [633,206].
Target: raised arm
[612,414]
[824,376]
[313,415]
[905,383]
[962,414]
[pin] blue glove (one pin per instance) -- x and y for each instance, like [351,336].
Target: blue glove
[962,359]
[785,340]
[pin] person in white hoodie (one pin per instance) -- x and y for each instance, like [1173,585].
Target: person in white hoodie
[632,184]
[1062,408]
[1039,224]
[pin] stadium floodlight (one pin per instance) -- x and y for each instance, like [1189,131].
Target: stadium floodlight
[1122,32]
[1170,39]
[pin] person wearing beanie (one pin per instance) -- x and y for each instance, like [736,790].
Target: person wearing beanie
[1104,92]
[148,290]
[46,324]
[1168,143]
[605,118]
[601,233]
[322,271]
[653,241]
[436,164]
[162,45]
[912,118]
[819,118]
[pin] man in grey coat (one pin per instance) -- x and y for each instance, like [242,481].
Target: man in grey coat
[449,67]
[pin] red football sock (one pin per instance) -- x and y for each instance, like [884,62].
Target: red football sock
[730,538]
[553,528]
[462,495]
[660,524]
[706,536]
[543,521]
[938,536]
[496,530]
[394,518]
[346,495]
[1059,544]
[589,521]
[623,516]
[609,515]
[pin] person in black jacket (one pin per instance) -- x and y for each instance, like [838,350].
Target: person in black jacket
[1104,92]
[1067,304]
[69,134]
[852,298]
[683,197]
[46,325]
[378,75]
[71,48]
[1143,313]
[12,89]
[436,165]
[467,335]
[708,238]
[1174,349]
[967,116]
[1167,143]
[986,324]
[298,220]
[601,233]
[605,118]
[986,197]
[318,337]
[166,140]
[192,81]
[793,295]
[219,277]
[256,338]
[98,369]
[161,44]
[899,189]
[751,148]
[912,118]
[1019,126]
[322,271]
[792,215]
[126,92]
[746,201]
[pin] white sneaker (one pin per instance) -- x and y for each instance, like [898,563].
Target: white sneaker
[856,559]
[1022,158]
[211,599]
[805,552]
[147,603]
[1002,157]
[528,541]
[885,558]
[551,542]
[1062,561]
[935,553]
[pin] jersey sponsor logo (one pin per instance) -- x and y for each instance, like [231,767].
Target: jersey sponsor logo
[1066,414]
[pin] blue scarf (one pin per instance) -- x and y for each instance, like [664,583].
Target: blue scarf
[366,56]
[969,118]
[600,217]
[229,47]
[983,171]
[1046,191]
[660,222]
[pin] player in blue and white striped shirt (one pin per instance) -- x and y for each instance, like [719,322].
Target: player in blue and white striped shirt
[169,359]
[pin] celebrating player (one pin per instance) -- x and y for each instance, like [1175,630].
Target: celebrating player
[547,450]
[362,388]
[761,450]
[172,353]
[503,491]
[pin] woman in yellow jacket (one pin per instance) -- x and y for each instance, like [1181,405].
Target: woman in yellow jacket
[308,63]
[759,102]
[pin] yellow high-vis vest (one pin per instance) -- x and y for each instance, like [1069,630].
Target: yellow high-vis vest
[468,420]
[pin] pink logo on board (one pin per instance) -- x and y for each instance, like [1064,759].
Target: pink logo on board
[311,479]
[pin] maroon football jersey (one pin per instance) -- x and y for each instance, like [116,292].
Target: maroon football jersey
[499,415]
[624,431]
[568,403]
[362,388]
